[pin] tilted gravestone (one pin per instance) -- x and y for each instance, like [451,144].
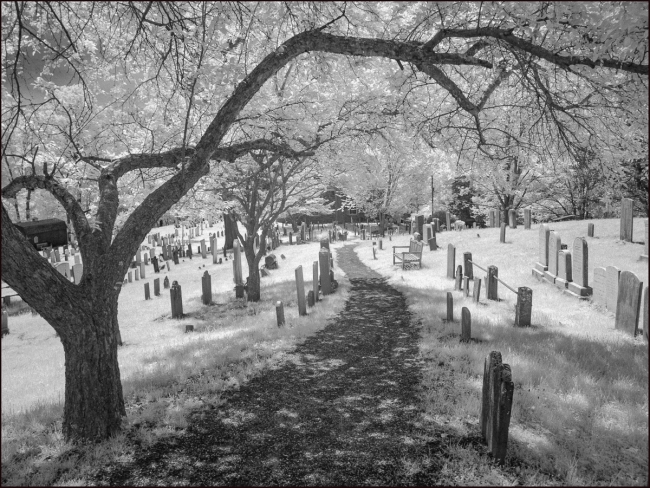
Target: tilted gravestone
[579,286]
[612,274]
[600,287]
[451,261]
[628,305]
[627,205]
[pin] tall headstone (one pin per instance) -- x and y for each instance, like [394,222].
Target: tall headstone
[448,217]
[314,279]
[467,265]
[554,246]
[492,284]
[206,288]
[450,307]
[628,305]
[176,296]
[600,287]
[476,290]
[203,249]
[580,269]
[156,287]
[154,261]
[451,261]
[324,262]
[613,274]
[627,205]
[300,289]
[502,234]
[420,224]
[142,271]
[147,293]
[590,230]
[524,307]
[466,325]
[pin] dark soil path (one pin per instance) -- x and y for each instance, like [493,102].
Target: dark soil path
[343,412]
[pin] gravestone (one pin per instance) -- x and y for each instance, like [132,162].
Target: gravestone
[279,313]
[176,296]
[467,265]
[590,230]
[612,283]
[492,284]
[147,294]
[476,290]
[524,307]
[166,282]
[600,287]
[300,289]
[451,261]
[291,238]
[466,325]
[554,246]
[450,307]
[206,288]
[564,275]
[448,216]
[314,278]
[130,276]
[436,223]
[502,234]
[142,271]
[628,304]
[203,249]
[496,405]
[491,218]
[146,259]
[459,276]
[579,287]
[512,218]
[466,285]
[324,267]
[137,274]
[156,287]
[527,218]
[627,206]
[420,223]
[138,257]
[154,261]
[189,250]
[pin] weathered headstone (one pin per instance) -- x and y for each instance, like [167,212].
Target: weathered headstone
[512,218]
[300,288]
[579,287]
[203,249]
[206,288]
[496,405]
[324,264]
[147,294]
[176,296]
[279,313]
[524,306]
[554,246]
[467,265]
[450,307]
[156,287]
[628,304]
[627,206]
[166,282]
[600,287]
[154,261]
[315,280]
[451,261]
[420,223]
[527,218]
[564,270]
[459,277]
[613,275]
[448,217]
[142,271]
[590,230]
[466,285]
[476,290]
[502,234]
[492,288]
[466,325]
[130,276]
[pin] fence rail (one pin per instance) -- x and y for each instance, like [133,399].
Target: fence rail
[496,277]
[477,265]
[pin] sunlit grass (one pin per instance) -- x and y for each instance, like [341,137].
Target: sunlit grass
[580,408]
[165,372]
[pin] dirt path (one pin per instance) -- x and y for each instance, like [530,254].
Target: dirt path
[341,412]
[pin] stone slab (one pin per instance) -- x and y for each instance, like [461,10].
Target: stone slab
[628,304]
[611,287]
[600,287]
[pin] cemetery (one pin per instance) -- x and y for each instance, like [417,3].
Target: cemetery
[325,243]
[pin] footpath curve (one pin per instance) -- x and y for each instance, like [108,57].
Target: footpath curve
[341,412]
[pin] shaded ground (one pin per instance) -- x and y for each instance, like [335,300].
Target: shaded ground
[341,411]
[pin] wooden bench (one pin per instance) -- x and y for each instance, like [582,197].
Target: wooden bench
[410,257]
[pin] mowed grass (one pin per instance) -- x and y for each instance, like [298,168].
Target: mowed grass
[165,372]
[580,407]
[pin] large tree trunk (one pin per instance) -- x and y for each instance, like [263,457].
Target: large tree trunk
[230,228]
[94,405]
[253,259]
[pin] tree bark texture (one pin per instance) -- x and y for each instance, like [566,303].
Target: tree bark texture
[230,228]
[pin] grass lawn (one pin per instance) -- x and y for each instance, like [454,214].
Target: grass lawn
[164,371]
[580,407]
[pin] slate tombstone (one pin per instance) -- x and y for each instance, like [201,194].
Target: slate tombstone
[590,230]
[156,287]
[147,294]
[203,249]
[524,307]
[450,307]
[502,234]
[176,296]
[612,283]
[579,287]
[467,265]
[420,224]
[600,287]
[154,261]
[206,288]
[166,282]
[142,271]
[527,213]
[189,250]
[476,290]
[628,304]
[175,256]
[459,277]
[466,325]
[466,285]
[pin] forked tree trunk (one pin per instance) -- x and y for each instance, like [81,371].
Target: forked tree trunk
[230,230]
[254,288]
[94,404]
